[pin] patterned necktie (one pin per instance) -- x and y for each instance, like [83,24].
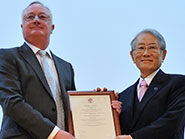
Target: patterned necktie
[143,87]
[53,87]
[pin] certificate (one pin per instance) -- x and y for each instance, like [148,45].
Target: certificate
[92,116]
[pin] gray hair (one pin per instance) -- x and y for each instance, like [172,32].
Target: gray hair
[38,2]
[155,33]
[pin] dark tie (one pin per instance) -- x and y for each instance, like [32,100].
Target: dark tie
[53,87]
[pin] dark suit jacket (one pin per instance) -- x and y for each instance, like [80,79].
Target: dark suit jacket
[160,114]
[28,106]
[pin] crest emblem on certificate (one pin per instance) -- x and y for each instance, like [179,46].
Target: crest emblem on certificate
[90,100]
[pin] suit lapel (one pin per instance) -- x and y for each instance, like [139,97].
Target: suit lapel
[129,103]
[152,90]
[30,57]
[60,71]
[61,76]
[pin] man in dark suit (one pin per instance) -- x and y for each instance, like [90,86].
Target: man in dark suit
[154,106]
[33,98]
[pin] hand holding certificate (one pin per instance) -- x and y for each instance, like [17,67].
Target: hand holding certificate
[92,116]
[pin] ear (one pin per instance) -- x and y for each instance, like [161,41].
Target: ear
[164,54]
[132,56]
[52,28]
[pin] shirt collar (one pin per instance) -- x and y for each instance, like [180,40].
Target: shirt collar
[36,49]
[149,78]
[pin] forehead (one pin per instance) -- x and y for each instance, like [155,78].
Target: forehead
[146,37]
[36,9]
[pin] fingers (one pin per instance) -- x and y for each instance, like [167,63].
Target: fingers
[104,89]
[99,89]
[124,137]
[63,134]
[116,102]
[116,95]
[117,105]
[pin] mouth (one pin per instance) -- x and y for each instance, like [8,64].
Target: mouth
[146,60]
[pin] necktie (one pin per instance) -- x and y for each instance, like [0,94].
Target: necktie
[53,87]
[143,87]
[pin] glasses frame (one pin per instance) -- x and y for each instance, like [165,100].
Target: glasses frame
[150,49]
[42,17]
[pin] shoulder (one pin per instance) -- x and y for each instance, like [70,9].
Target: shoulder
[169,77]
[166,78]
[8,50]
[170,83]
[13,50]
[178,79]
[8,53]
[176,76]
[61,61]
[128,90]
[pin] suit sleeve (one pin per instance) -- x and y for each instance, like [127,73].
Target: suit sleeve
[172,120]
[13,102]
[73,82]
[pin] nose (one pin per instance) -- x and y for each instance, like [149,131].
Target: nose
[146,51]
[36,20]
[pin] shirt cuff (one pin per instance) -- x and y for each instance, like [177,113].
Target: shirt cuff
[53,132]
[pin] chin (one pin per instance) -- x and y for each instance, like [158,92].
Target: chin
[146,65]
[146,68]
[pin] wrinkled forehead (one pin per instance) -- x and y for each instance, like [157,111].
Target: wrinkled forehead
[36,9]
[147,37]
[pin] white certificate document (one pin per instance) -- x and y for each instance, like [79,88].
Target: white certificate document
[92,117]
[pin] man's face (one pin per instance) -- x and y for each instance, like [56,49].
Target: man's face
[147,55]
[37,24]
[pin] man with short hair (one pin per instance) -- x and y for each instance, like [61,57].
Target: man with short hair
[34,81]
[154,106]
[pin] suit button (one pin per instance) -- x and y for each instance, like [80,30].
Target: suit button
[53,109]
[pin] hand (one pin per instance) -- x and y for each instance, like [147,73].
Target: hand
[99,89]
[63,135]
[116,95]
[117,105]
[124,137]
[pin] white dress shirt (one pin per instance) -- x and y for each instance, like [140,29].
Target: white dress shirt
[148,80]
[52,66]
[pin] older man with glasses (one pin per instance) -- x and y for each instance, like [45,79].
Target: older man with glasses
[154,106]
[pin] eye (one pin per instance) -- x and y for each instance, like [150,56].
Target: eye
[44,17]
[153,47]
[30,17]
[140,48]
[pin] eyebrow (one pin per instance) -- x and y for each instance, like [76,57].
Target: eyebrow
[152,43]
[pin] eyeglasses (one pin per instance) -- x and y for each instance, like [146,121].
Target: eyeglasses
[31,17]
[150,49]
